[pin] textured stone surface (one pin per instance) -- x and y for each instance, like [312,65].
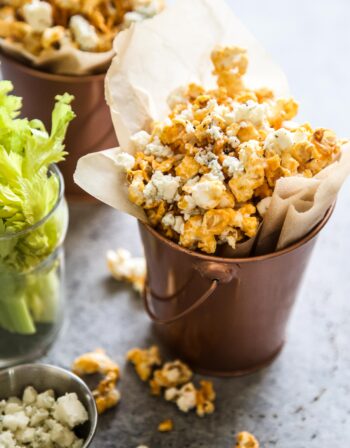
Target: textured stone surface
[302,400]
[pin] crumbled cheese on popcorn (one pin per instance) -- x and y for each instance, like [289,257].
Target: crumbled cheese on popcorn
[162,187]
[124,160]
[215,132]
[175,222]
[140,140]
[279,141]
[186,114]
[250,111]
[207,192]
[233,141]
[84,33]
[209,159]
[38,15]
[155,148]
[251,147]
[233,165]
[189,128]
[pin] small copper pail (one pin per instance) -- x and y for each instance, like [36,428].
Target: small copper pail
[223,316]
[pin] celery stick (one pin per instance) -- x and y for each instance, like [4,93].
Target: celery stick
[16,312]
[43,296]
[5,320]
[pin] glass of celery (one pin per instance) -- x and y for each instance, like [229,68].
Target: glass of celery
[33,225]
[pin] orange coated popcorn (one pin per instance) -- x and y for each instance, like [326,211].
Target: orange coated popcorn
[172,374]
[144,361]
[188,397]
[246,440]
[173,382]
[95,362]
[201,174]
[106,394]
[166,426]
[89,25]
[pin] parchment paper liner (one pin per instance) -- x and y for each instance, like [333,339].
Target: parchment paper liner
[171,50]
[65,61]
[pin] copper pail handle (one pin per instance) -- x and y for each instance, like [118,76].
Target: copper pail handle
[215,272]
[203,298]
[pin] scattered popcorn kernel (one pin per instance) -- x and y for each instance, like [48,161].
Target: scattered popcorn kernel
[166,426]
[205,398]
[185,397]
[126,268]
[246,440]
[106,394]
[95,362]
[144,361]
[172,374]
[107,400]
[188,397]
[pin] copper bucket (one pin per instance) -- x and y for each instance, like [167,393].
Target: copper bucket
[90,131]
[224,316]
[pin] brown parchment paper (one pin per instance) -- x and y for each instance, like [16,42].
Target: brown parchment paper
[68,60]
[154,58]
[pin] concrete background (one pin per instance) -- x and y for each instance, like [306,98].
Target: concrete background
[302,400]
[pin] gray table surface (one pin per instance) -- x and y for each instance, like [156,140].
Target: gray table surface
[303,399]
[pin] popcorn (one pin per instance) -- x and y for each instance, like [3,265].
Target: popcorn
[106,394]
[246,440]
[38,14]
[94,362]
[188,397]
[204,174]
[161,187]
[52,36]
[126,268]
[233,165]
[173,380]
[207,192]
[172,374]
[166,426]
[279,141]
[144,361]
[205,398]
[89,25]
[185,397]
[250,111]
[84,33]
[156,149]
[175,222]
